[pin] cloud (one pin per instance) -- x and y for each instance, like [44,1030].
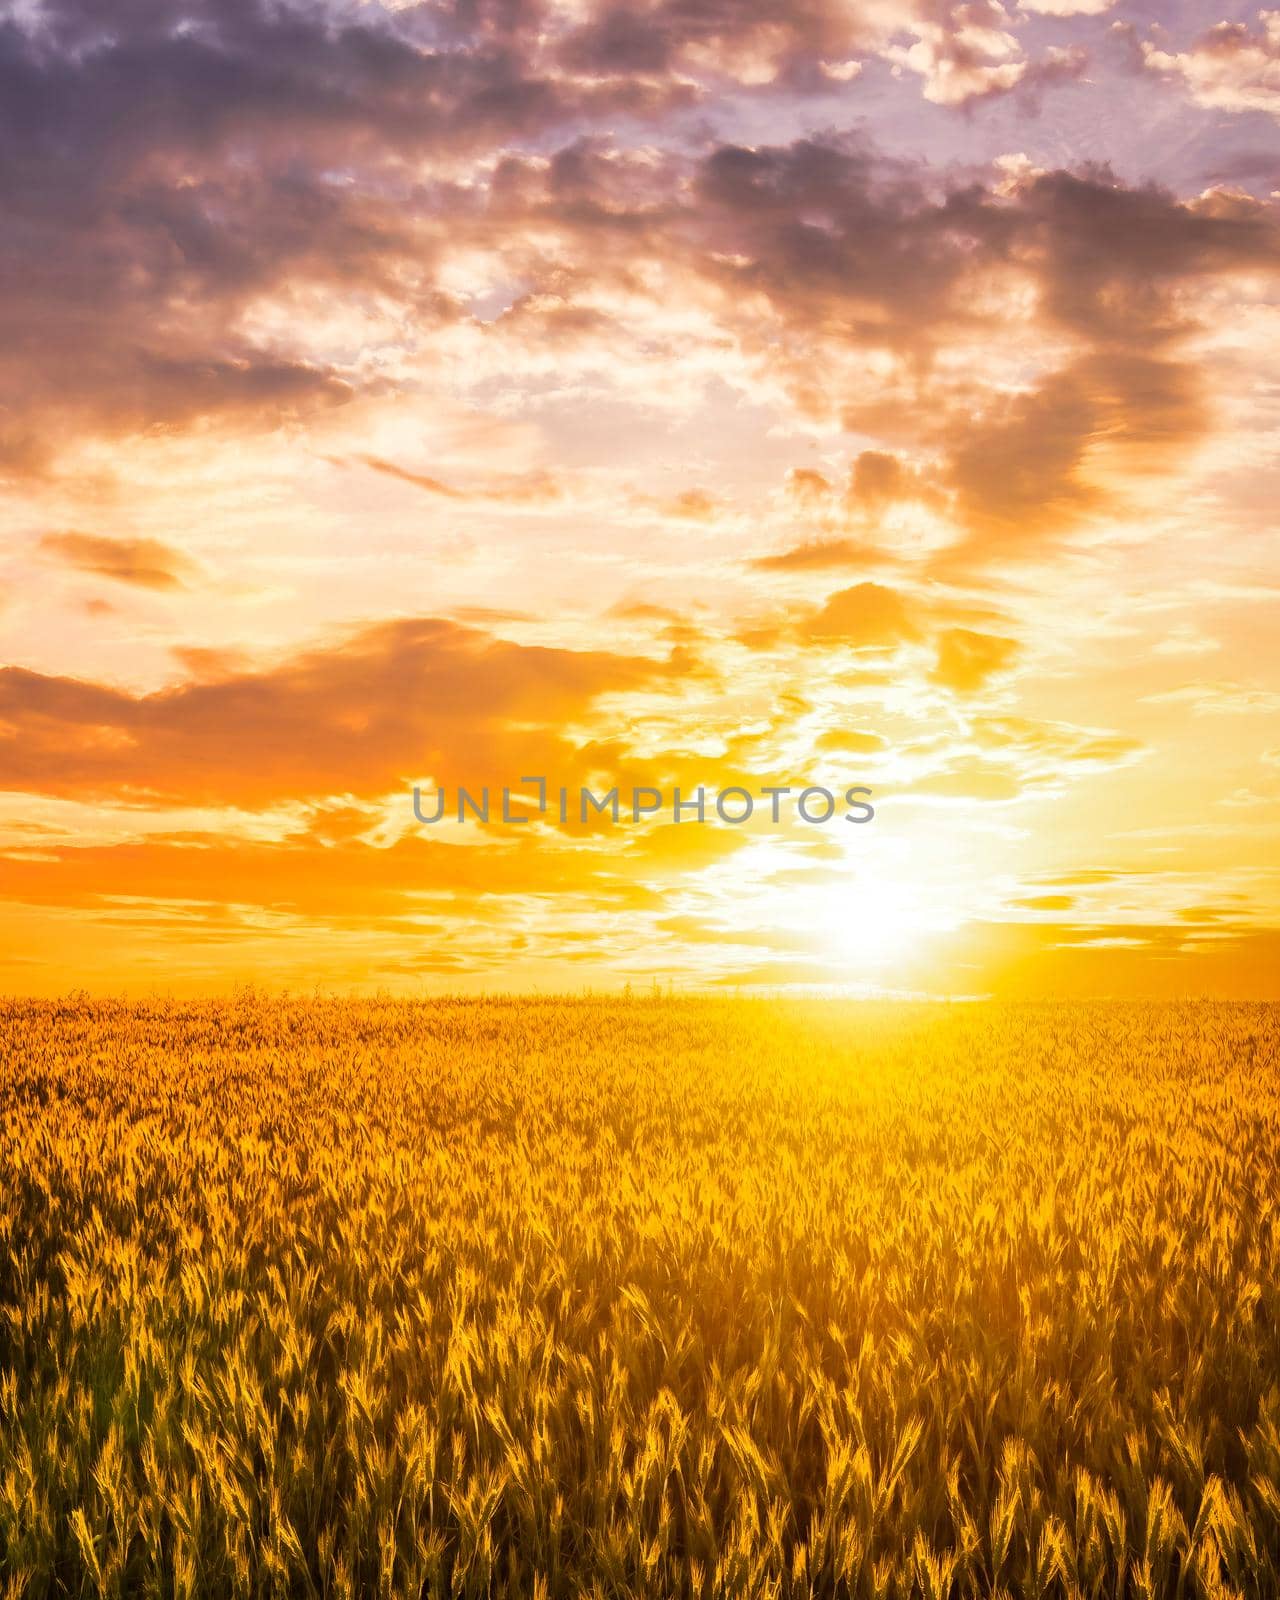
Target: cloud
[967,53]
[173,172]
[1018,469]
[190,160]
[971,778]
[1133,961]
[318,227]
[822,554]
[1220,698]
[1109,258]
[1230,68]
[967,661]
[867,616]
[419,480]
[1112,267]
[531,488]
[878,478]
[251,188]
[692,505]
[963,51]
[842,247]
[1048,745]
[403,699]
[146,563]
[834,238]
[1066,8]
[852,741]
[877,481]
[315,875]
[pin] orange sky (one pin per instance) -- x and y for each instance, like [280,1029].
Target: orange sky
[640,393]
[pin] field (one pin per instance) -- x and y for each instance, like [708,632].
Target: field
[647,1297]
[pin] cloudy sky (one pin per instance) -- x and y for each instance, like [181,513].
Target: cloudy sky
[642,393]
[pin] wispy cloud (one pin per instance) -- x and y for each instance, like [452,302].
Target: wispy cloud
[145,563]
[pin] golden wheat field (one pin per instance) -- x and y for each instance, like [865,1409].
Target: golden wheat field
[656,1297]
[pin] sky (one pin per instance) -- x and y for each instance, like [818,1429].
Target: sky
[655,393]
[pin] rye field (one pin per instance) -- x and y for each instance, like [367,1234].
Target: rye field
[638,1298]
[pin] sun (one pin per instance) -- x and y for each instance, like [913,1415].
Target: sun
[870,920]
[879,911]
[880,914]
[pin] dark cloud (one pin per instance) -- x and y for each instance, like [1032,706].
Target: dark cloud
[806,45]
[741,40]
[1107,257]
[834,237]
[1112,266]
[853,250]
[161,172]
[165,176]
